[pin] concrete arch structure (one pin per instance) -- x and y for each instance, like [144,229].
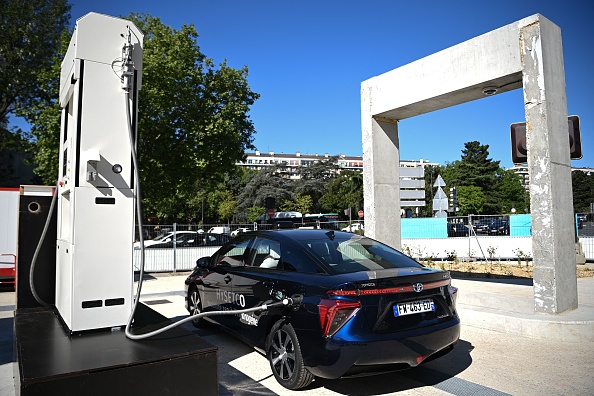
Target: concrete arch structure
[526,54]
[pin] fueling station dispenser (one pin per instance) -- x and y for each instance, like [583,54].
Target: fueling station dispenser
[100,76]
[80,346]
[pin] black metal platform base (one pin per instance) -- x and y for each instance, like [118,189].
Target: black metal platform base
[50,362]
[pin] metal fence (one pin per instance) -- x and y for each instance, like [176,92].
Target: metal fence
[479,237]
[483,237]
[176,257]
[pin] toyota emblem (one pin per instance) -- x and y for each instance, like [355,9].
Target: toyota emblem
[418,287]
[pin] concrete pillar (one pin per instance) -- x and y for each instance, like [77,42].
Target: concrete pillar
[549,167]
[381,181]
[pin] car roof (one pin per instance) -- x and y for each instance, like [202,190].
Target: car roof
[303,235]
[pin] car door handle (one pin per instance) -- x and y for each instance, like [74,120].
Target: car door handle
[227,279]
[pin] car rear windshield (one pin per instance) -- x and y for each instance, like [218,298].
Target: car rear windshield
[358,254]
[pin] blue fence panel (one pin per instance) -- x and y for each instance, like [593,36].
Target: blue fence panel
[429,227]
[520,225]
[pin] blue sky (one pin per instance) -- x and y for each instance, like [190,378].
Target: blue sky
[307,59]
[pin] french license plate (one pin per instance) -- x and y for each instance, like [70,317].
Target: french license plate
[414,307]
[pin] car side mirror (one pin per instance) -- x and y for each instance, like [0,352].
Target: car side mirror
[203,262]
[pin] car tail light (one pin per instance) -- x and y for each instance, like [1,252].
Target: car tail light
[336,313]
[388,290]
[453,293]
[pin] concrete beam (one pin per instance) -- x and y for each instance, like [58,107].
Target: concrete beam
[453,76]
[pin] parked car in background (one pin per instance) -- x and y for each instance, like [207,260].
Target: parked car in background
[499,227]
[359,306]
[457,230]
[287,215]
[482,226]
[209,239]
[240,230]
[581,218]
[205,239]
[327,221]
[186,239]
[167,239]
[219,230]
[354,227]
[265,222]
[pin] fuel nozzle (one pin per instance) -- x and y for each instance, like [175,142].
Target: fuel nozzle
[294,301]
[277,294]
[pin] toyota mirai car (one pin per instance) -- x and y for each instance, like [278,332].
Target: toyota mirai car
[363,307]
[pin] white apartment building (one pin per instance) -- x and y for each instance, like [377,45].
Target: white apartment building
[412,186]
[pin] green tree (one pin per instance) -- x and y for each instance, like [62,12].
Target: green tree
[314,180]
[14,169]
[475,169]
[470,200]
[193,116]
[203,206]
[267,182]
[30,37]
[254,212]
[510,192]
[43,116]
[583,191]
[355,185]
[345,191]
[303,203]
[227,206]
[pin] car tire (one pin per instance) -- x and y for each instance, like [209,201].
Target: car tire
[195,306]
[285,358]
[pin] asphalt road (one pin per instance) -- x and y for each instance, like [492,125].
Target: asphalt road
[484,362]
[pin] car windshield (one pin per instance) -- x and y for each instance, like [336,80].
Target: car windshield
[358,254]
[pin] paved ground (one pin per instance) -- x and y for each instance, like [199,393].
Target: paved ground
[486,362]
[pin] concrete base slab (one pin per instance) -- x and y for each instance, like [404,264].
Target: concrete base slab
[508,307]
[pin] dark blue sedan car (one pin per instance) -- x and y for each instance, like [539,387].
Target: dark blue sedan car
[364,306]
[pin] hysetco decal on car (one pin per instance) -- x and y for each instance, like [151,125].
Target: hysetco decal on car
[236,299]
[230,297]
